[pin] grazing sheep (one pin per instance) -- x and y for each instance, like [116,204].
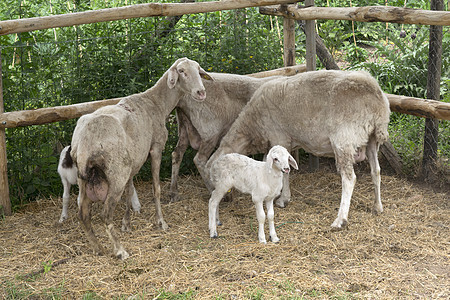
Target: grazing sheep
[263,180]
[110,145]
[203,124]
[338,114]
[68,173]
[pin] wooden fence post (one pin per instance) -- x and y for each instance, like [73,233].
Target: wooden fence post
[430,146]
[310,30]
[5,203]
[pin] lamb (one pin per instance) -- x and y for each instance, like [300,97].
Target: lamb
[68,173]
[263,180]
[340,114]
[110,145]
[203,124]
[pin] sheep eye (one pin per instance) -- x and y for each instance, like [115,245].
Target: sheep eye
[181,71]
[275,159]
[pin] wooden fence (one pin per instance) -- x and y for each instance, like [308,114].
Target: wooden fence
[408,105]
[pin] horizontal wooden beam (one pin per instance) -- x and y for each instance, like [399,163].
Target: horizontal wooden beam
[419,107]
[285,71]
[388,14]
[128,12]
[407,105]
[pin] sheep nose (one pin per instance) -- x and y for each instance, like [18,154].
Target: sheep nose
[286,170]
[201,94]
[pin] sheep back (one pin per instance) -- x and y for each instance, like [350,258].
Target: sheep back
[312,111]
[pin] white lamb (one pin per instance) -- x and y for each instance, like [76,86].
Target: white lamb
[68,173]
[263,180]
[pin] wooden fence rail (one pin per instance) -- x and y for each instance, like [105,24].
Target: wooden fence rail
[128,12]
[362,14]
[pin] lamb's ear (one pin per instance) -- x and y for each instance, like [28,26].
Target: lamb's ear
[292,162]
[172,78]
[269,160]
[205,75]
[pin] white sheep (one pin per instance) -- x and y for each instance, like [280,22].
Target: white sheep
[68,173]
[110,145]
[340,114]
[263,180]
[203,124]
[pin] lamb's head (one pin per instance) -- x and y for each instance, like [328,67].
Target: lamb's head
[187,75]
[279,158]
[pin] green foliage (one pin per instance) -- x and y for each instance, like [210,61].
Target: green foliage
[90,62]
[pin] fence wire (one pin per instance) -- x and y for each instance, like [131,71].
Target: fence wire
[106,60]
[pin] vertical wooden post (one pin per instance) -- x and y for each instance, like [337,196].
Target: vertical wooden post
[430,146]
[310,30]
[5,203]
[289,52]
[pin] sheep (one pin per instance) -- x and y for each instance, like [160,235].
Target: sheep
[110,145]
[203,124]
[68,173]
[340,114]
[263,180]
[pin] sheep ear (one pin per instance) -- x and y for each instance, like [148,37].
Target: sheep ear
[269,160]
[292,162]
[205,75]
[172,78]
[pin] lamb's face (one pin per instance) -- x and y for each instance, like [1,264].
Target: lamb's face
[188,74]
[281,159]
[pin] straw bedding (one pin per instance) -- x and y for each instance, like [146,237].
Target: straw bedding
[402,253]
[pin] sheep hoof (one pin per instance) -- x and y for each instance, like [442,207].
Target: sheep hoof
[214,235]
[281,203]
[339,224]
[163,225]
[122,254]
[263,242]
[62,219]
[175,197]
[377,210]
[275,240]
[219,223]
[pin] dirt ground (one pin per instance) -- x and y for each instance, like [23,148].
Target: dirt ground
[402,253]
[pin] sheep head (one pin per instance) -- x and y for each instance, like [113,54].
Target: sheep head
[187,75]
[279,158]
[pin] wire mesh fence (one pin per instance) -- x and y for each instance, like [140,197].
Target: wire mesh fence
[114,59]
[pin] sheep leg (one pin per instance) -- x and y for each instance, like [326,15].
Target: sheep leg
[135,200]
[107,215]
[200,160]
[128,192]
[372,155]
[66,198]
[156,155]
[285,196]
[213,209]
[84,215]
[348,183]
[271,217]
[177,157]
[261,217]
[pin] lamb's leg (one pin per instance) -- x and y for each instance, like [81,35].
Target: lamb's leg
[128,192]
[285,196]
[66,198]
[372,154]
[84,215]
[177,157]
[213,208]
[261,217]
[348,183]
[156,154]
[135,200]
[107,215]
[271,217]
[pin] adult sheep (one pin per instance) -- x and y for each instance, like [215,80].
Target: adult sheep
[110,145]
[337,114]
[203,124]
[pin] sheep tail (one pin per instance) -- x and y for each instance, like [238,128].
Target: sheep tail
[96,179]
